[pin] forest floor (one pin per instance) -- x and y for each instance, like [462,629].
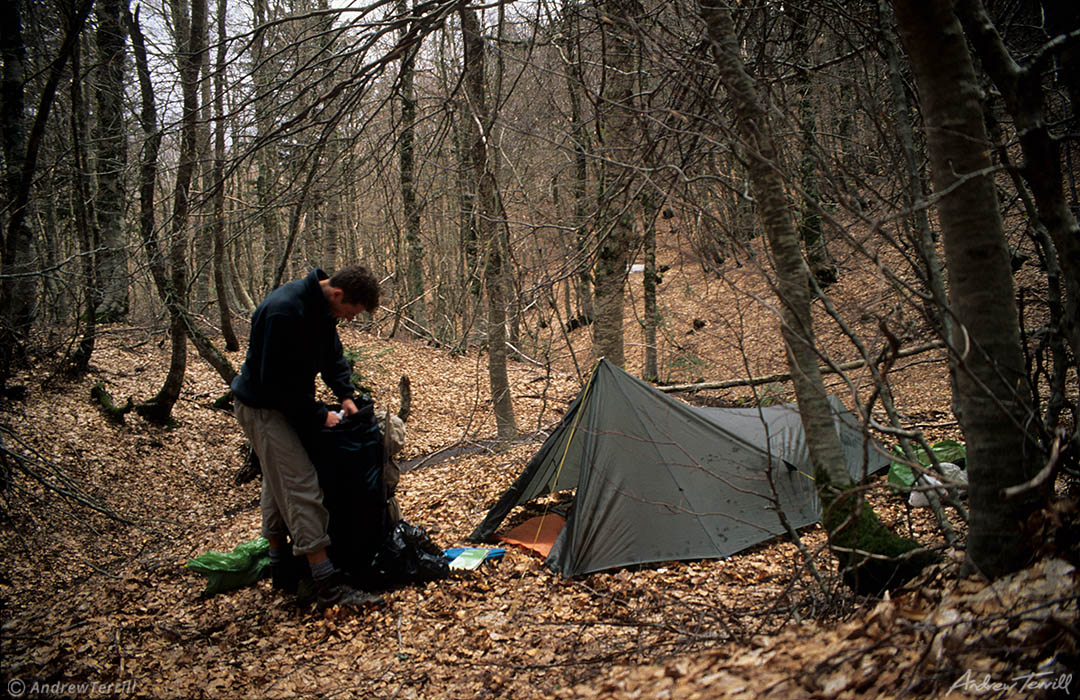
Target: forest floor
[101,516]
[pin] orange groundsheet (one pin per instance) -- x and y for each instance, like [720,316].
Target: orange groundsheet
[537,534]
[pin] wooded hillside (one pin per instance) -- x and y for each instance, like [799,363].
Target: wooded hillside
[740,203]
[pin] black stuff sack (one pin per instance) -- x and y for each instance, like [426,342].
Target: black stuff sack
[408,555]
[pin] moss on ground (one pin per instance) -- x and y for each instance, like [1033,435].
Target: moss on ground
[872,557]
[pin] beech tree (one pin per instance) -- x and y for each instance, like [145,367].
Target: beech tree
[217,183]
[985,356]
[1025,99]
[110,137]
[414,268]
[484,218]
[616,234]
[21,147]
[580,143]
[190,53]
[263,68]
[867,550]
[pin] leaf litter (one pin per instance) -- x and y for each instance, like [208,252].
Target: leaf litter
[89,598]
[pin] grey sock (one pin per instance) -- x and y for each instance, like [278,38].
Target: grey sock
[322,570]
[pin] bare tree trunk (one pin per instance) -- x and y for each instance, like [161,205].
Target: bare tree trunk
[985,353]
[13,116]
[83,211]
[19,285]
[268,217]
[299,214]
[855,533]
[483,219]
[202,237]
[650,200]
[148,159]
[332,220]
[191,49]
[917,225]
[1022,90]
[111,141]
[810,229]
[650,210]
[792,274]
[921,234]
[54,296]
[239,289]
[218,180]
[619,142]
[574,79]
[414,249]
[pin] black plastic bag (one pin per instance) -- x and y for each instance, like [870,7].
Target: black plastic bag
[349,461]
[408,555]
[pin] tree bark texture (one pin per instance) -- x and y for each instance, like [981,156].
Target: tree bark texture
[414,249]
[915,175]
[792,275]
[19,287]
[810,228]
[191,49]
[613,247]
[111,162]
[580,137]
[202,238]
[218,184]
[985,352]
[148,159]
[83,213]
[16,289]
[272,236]
[487,228]
[854,531]
[1022,90]
[649,280]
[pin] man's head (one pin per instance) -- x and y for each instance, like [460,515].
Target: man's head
[351,290]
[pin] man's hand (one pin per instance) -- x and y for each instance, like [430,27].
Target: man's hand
[348,407]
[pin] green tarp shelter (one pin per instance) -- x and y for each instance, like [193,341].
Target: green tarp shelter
[658,480]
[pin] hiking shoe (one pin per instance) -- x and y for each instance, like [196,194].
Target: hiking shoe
[337,592]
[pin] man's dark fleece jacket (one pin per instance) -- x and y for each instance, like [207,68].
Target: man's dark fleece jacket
[293,338]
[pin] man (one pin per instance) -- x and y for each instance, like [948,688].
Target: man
[293,338]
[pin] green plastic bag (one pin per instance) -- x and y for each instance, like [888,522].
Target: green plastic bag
[225,571]
[901,475]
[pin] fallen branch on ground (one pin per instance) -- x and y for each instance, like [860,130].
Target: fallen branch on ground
[786,376]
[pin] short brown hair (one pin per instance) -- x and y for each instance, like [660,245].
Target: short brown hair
[359,286]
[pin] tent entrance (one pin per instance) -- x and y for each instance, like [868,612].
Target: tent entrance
[537,534]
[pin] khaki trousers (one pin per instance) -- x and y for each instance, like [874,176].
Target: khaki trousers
[291,500]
